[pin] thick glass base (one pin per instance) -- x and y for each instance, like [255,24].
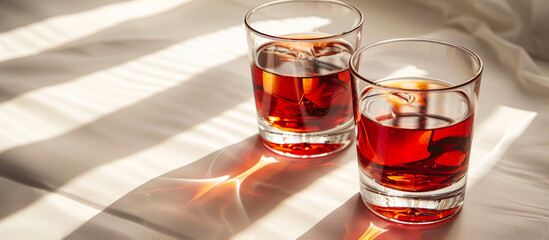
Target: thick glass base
[412,207]
[307,145]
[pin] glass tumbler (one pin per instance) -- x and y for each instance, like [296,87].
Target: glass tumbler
[414,104]
[299,55]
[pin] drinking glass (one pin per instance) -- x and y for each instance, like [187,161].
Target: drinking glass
[414,104]
[299,54]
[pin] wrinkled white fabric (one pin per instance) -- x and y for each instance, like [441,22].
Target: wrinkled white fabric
[517,31]
[135,120]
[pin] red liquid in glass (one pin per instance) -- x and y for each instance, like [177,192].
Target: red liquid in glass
[414,159]
[413,151]
[303,87]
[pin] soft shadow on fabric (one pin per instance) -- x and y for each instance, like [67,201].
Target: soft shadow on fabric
[50,163]
[10,9]
[111,47]
[212,198]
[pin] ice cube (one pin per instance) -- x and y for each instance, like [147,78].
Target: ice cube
[322,93]
[327,51]
[286,88]
[293,50]
[319,93]
[400,98]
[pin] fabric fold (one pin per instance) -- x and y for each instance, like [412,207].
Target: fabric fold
[516,30]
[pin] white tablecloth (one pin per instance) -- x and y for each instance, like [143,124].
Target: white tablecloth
[135,120]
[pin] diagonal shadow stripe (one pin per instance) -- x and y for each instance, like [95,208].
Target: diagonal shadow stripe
[112,47]
[129,130]
[34,11]
[91,192]
[102,227]
[61,154]
[58,30]
[16,196]
[168,206]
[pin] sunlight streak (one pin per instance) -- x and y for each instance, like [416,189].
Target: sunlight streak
[43,215]
[59,30]
[493,137]
[103,185]
[54,110]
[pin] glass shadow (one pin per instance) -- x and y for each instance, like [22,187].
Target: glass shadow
[212,198]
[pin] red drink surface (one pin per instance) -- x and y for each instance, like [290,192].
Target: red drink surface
[414,151]
[303,86]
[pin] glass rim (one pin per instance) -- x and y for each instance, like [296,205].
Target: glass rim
[475,57]
[330,36]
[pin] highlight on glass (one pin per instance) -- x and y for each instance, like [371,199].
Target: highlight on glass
[299,53]
[414,106]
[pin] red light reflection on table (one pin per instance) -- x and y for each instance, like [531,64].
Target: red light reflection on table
[224,192]
[372,232]
[211,183]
